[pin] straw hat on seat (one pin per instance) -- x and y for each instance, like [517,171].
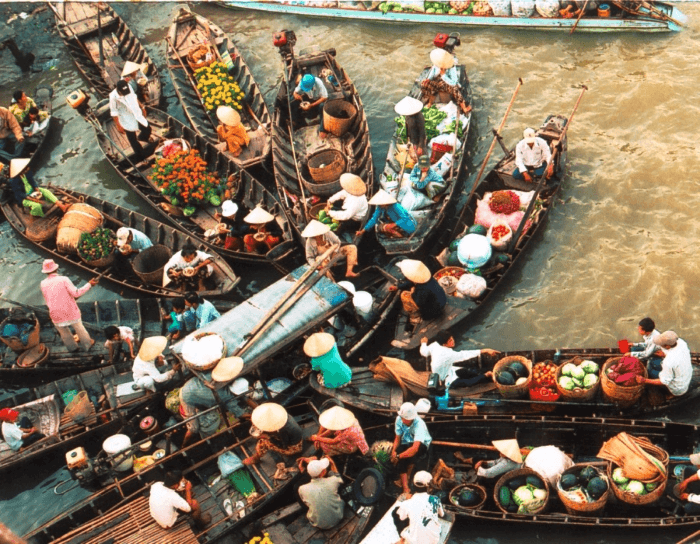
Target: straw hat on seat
[17,165]
[227,369]
[269,417]
[382,198]
[258,217]
[408,106]
[319,344]
[315,228]
[509,449]
[353,184]
[442,59]
[152,347]
[414,271]
[228,116]
[337,419]
[131,67]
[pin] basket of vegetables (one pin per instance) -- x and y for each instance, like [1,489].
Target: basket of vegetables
[578,380]
[521,491]
[583,489]
[634,491]
[324,218]
[618,380]
[512,376]
[97,248]
[448,277]
[468,497]
[433,117]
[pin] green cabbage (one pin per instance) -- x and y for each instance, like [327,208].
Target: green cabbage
[589,367]
[590,380]
[636,487]
[522,494]
[577,373]
[566,383]
[567,368]
[578,382]
[619,477]
[650,486]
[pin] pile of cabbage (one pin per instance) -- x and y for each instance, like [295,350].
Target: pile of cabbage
[589,485]
[631,486]
[523,495]
[583,376]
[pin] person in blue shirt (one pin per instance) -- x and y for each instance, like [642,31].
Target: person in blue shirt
[394,220]
[202,310]
[180,322]
[309,97]
[443,77]
[130,242]
[424,178]
[411,442]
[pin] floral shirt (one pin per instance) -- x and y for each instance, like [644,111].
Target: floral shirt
[21,113]
[351,438]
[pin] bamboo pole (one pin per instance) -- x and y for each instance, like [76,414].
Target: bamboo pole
[583,9]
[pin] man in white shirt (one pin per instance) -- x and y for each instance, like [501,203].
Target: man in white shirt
[18,433]
[189,257]
[532,157]
[443,356]
[129,116]
[354,203]
[145,369]
[677,368]
[165,501]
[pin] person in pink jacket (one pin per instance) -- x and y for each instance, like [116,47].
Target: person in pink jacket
[60,294]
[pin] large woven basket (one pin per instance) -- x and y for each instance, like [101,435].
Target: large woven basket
[15,344]
[104,262]
[212,364]
[633,498]
[503,480]
[578,394]
[474,487]
[623,396]
[630,453]
[149,263]
[338,116]
[513,391]
[43,229]
[195,58]
[327,165]
[78,219]
[582,508]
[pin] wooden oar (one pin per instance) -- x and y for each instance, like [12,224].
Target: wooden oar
[690,539]
[460,445]
[583,9]
[187,72]
[403,169]
[543,179]
[454,154]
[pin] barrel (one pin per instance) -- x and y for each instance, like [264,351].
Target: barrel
[115,444]
[338,116]
[149,263]
[362,301]
[78,219]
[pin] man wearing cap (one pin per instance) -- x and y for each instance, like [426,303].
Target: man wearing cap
[232,134]
[443,77]
[232,228]
[202,311]
[354,203]
[320,239]
[424,178]
[309,96]
[411,442]
[26,190]
[532,157]
[18,433]
[129,116]
[394,220]
[423,512]
[267,233]
[511,458]
[326,360]
[146,363]
[676,369]
[426,299]
[412,110]
[280,432]
[321,494]
[166,499]
[59,295]
[10,135]
[189,257]
[339,433]
[689,488]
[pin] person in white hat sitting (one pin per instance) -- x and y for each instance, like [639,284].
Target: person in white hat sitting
[511,458]
[130,242]
[135,75]
[426,299]
[532,157]
[326,360]
[443,77]
[26,190]
[411,442]
[267,234]
[232,228]
[412,110]
[353,198]
[189,257]
[320,239]
[423,512]
[392,218]
[326,508]
[339,433]
[281,433]
[150,358]
[232,134]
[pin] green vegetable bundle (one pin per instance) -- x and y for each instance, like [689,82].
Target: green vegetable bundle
[98,245]
[433,117]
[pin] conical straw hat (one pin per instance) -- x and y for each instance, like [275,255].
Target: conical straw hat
[227,369]
[509,448]
[269,417]
[408,106]
[131,67]
[228,116]
[315,228]
[414,271]
[382,198]
[319,344]
[152,347]
[353,184]
[17,165]
[337,418]
[442,59]
[258,217]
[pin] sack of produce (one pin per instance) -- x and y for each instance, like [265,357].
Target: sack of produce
[471,285]
[460,6]
[500,236]
[474,251]
[549,462]
[547,8]
[500,8]
[483,9]
[522,8]
[443,166]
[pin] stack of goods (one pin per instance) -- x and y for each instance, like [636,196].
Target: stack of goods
[505,208]
[578,380]
[203,351]
[583,489]
[97,248]
[544,380]
[217,87]
[521,491]
[326,219]
[512,376]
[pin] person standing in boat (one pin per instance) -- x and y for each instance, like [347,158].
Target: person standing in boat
[394,220]
[320,239]
[60,294]
[145,370]
[232,228]
[326,360]
[424,178]
[232,134]
[532,157]
[443,77]
[26,190]
[167,498]
[320,495]
[200,311]
[412,110]
[309,97]
[647,351]
[135,75]
[426,299]
[443,357]
[129,116]
[18,433]
[10,135]
[353,200]
[423,512]
[411,443]
[189,257]
[677,367]
[280,432]
[267,234]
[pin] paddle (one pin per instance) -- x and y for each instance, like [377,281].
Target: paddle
[543,179]
[580,14]
[403,169]
[454,156]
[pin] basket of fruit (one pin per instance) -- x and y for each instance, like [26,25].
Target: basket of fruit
[512,376]
[97,248]
[583,489]
[521,491]
[468,497]
[543,386]
[448,278]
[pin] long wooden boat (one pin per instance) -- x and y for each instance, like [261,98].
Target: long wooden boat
[245,189]
[189,31]
[380,397]
[221,283]
[408,335]
[384,532]
[121,511]
[100,43]
[664,17]
[294,149]
[581,438]
[435,218]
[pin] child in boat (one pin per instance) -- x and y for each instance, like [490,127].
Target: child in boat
[33,123]
[178,318]
[115,337]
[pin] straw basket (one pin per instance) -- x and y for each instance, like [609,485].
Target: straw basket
[338,116]
[620,395]
[630,453]
[327,165]
[14,343]
[80,408]
[42,229]
[78,219]
[313,210]
[454,494]
[582,508]
[33,356]
[513,391]
[212,364]
[197,57]
[508,477]
[104,262]
[455,272]
[633,498]
[578,394]
[149,263]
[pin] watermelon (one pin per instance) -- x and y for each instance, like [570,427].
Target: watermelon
[518,369]
[469,497]
[587,474]
[477,229]
[453,259]
[515,483]
[535,482]
[596,488]
[454,244]
[504,496]
[568,481]
[505,378]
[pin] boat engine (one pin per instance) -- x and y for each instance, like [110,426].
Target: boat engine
[79,100]
[87,472]
[285,41]
[448,42]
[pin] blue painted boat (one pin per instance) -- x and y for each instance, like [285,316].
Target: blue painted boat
[663,18]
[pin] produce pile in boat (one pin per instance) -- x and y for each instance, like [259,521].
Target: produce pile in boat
[217,87]
[583,376]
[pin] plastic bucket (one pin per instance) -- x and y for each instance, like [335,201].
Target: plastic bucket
[347,286]
[115,444]
[363,303]
[603,10]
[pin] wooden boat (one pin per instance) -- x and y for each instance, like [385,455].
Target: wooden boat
[247,190]
[190,31]
[469,439]
[408,335]
[296,148]
[384,532]
[121,511]
[33,144]
[100,43]
[221,283]
[433,219]
[658,17]
[380,397]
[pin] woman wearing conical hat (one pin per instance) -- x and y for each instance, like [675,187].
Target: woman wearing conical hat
[426,299]
[349,206]
[26,190]
[443,77]
[339,433]
[280,432]
[267,234]
[511,459]
[320,239]
[232,134]
[412,110]
[147,362]
[323,350]
[394,220]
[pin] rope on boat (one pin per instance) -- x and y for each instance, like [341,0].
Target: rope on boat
[59,484]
